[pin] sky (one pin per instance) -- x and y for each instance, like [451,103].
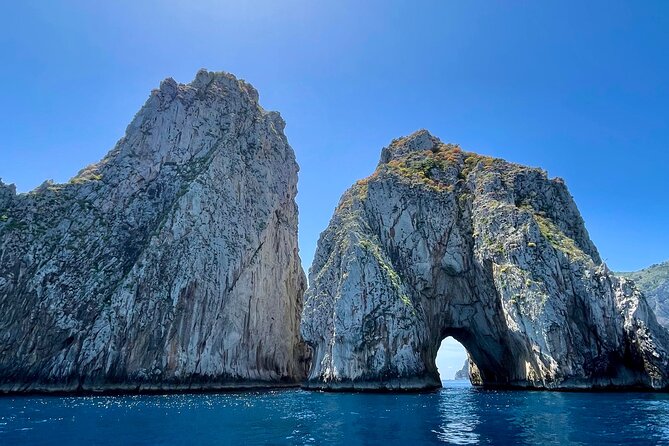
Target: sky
[577,88]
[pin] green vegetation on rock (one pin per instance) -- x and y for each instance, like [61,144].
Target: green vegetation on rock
[387,269]
[551,232]
[89,174]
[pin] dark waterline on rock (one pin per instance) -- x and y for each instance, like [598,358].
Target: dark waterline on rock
[456,414]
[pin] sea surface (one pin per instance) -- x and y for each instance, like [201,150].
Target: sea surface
[457,414]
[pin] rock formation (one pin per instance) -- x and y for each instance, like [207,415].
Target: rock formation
[170,264]
[654,283]
[439,242]
[463,373]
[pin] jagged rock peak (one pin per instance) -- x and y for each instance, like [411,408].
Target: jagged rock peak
[416,142]
[439,242]
[206,81]
[170,264]
[214,91]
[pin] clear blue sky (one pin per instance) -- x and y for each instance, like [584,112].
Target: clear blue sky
[578,88]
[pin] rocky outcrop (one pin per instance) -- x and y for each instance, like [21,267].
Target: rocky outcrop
[170,264]
[440,242]
[7,194]
[654,283]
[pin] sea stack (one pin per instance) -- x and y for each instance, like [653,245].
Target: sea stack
[172,264]
[439,242]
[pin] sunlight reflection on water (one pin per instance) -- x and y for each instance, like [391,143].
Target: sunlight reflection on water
[458,419]
[458,414]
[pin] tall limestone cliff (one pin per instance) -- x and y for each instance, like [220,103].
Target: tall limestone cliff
[654,283]
[170,264]
[439,242]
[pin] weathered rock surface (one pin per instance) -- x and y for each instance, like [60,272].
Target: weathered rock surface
[439,242]
[654,283]
[170,264]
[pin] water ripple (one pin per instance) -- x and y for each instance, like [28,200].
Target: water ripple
[457,414]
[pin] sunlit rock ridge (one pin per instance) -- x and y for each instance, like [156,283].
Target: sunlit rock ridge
[440,242]
[170,264]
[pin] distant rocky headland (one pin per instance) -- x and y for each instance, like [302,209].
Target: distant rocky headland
[173,264]
[463,373]
[654,283]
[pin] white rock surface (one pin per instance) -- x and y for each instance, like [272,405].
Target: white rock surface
[439,242]
[171,264]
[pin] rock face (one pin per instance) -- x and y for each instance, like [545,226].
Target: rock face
[439,242]
[463,373]
[170,264]
[654,283]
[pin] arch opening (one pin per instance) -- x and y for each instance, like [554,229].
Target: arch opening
[451,359]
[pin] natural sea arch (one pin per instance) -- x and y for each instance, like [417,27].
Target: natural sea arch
[451,357]
[441,243]
[495,360]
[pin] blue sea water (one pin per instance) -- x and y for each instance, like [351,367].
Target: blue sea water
[457,414]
